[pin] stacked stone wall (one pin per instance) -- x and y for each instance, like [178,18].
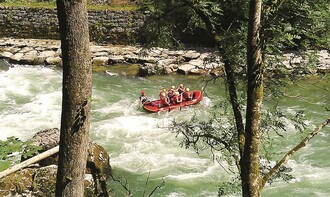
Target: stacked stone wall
[106,26]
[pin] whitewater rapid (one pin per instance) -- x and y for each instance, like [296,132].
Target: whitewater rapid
[140,143]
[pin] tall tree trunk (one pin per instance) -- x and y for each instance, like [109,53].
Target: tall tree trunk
[230,77]
[250,161]
[77,90]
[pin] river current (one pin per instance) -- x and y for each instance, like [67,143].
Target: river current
[140,144]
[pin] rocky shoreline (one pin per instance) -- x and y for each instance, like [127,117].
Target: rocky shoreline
[39,179]
[151,62]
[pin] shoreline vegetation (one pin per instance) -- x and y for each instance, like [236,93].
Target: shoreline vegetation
[52,5]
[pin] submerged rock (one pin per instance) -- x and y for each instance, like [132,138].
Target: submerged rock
[4,65]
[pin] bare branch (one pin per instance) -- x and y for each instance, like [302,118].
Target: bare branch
[144,191]
[157,187]
[129,193]
[124,185]
[287,156]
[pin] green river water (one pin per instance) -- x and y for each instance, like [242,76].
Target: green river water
[139,143]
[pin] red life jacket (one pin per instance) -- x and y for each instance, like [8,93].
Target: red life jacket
[188,96]
[170,92]
[160,94]
[177,99]
[164,101]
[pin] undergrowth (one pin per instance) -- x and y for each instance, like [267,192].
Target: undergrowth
[12,149]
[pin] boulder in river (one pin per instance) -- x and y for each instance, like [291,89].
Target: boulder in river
[97,159]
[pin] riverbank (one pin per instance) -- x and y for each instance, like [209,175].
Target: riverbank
[150,62]
[35,175]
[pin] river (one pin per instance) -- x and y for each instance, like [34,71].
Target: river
[140,144]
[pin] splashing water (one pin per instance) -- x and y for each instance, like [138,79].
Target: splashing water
[139,142]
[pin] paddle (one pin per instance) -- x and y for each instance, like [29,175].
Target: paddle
[138,109]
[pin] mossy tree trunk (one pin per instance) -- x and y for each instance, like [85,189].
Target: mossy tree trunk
[250,159]
[77,90]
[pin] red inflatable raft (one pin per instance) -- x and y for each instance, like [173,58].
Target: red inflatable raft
[155,106]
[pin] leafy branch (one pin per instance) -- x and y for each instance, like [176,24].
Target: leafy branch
[288,155]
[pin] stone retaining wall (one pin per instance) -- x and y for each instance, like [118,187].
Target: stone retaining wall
[108,26]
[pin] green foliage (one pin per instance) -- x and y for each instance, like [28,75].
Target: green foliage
[170,21]
[297,25]
[12,148]
[218,134]
[13,1]
[23,3]
[52,4]
[283,173]
[160,24]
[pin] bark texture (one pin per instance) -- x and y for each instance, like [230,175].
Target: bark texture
[77,90]
[250,160]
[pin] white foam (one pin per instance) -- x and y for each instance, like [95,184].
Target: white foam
[31,101]
[206,101]
[144,145]
[202,171]
[13,84]
[130,125]
[137,142]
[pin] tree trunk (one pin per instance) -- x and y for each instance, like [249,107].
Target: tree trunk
[230,77]
[76,90]
[250,160]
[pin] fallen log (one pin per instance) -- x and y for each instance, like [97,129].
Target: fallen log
[30,161]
